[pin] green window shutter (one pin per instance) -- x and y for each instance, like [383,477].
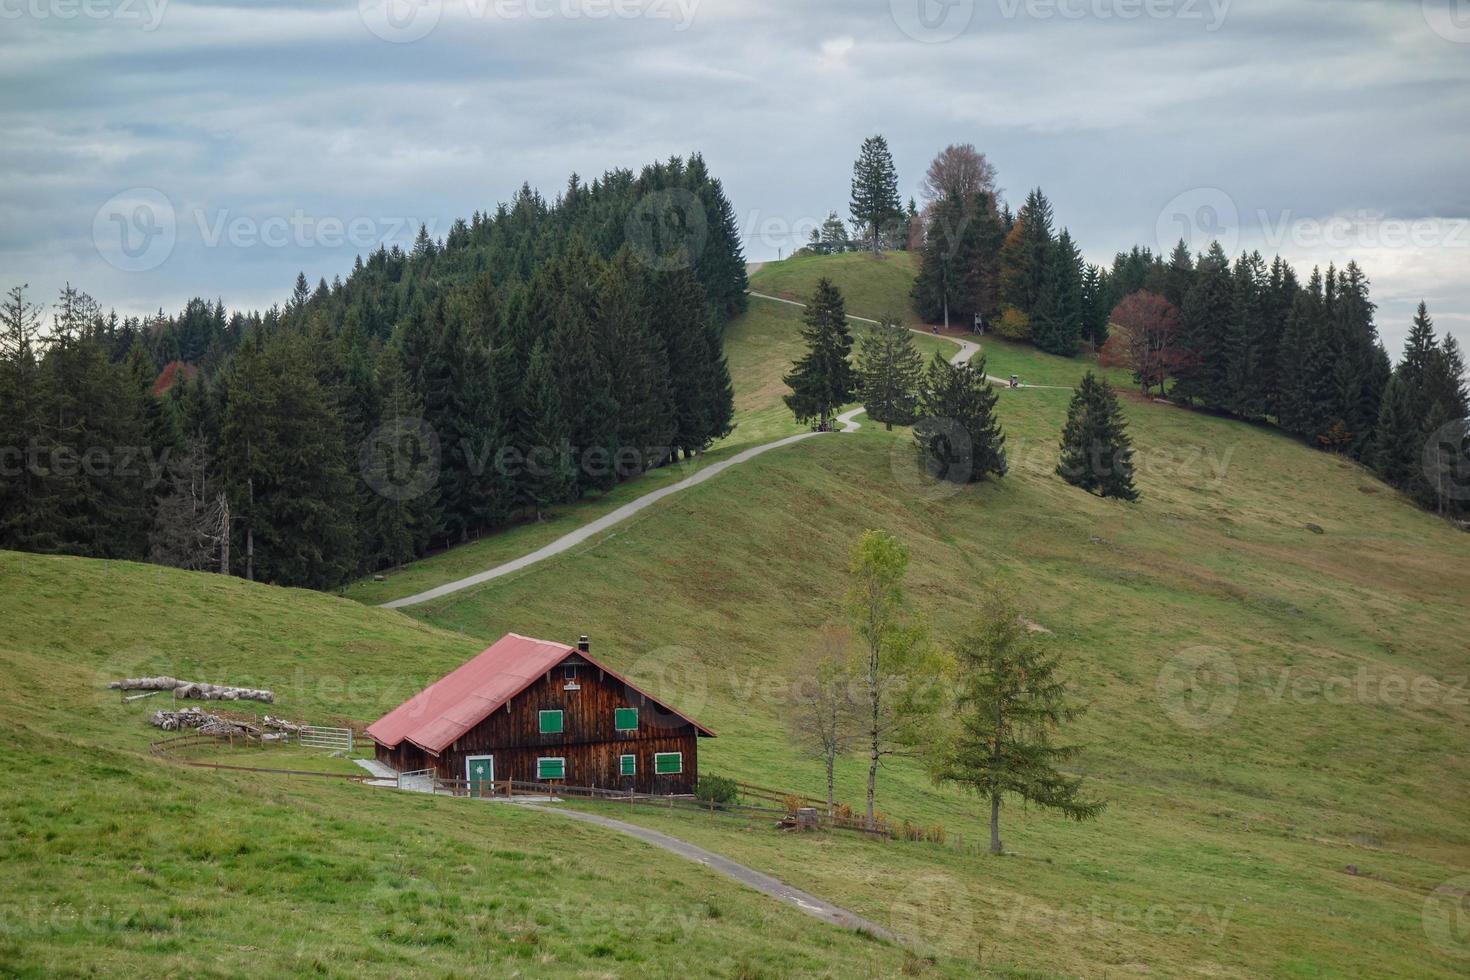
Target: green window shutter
[628,765]
[668,763]
[625,719]
[551,722]
[551,768]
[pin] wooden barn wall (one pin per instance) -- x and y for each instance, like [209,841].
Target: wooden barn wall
[588,741]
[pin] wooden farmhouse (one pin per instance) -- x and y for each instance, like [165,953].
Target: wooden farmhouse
[534,711]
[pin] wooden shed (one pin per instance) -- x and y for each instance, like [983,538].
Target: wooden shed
[536,711]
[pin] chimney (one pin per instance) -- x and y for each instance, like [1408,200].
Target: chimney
[584,644]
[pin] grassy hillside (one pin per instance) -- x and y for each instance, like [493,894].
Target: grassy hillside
[1329,731]
[1337,608]
[120,863]
[761,345]
[872,286]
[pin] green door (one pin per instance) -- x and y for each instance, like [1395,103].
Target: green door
[480,773]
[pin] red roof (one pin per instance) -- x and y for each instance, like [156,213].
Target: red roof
[433,718]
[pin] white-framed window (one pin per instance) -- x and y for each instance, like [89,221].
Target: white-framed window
[625,719]
[552,722]
[551,767]
[668,763]
[627,765]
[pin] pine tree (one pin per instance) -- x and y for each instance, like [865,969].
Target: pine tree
[1178,275]
[822,380]
[1250,342]
[958,435]
[1205,325]
[400,471]
[548,478]
[889,373]
[20,419]
[1096,453]
[1056,326]
[1444,479]
[1027,255]
[285,469]
[959,269]
[1095,306]
[1010,704]
[1395,456]
[875,204]
[638,367]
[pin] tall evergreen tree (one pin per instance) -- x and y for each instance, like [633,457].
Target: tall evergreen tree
[1097,454]
[1056,326]
[875,203]
[1250,342]
[1027,255]
[548,478]
[401,472]
[958,435]
[822,380]
[638,366]
[889,373]
[1095,306]
[1204,327]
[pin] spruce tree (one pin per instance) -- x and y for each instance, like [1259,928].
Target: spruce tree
[1204,327]
[1056,326]
[948,263]
[638,366]
[401,472]
[1095,306]
[1178,275]
[1395,456]
[889,373]
[875,204]
[1027,255]
[822,380]
[1096,452]
[548,478]
[1444,479]
[1250,341]
[958,435]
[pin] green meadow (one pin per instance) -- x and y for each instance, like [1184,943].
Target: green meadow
[1270,642]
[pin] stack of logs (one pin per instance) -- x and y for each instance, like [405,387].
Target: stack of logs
[209,724]
[192,689]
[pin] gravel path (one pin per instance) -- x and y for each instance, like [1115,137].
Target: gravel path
[764,883]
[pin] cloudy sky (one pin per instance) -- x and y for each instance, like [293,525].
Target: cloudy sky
[155,150]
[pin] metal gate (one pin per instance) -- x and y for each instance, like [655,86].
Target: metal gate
[316,737]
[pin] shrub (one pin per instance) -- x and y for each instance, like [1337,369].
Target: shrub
[1013,325]
[716,789]
[935,834]
[791,804]
[842,811]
